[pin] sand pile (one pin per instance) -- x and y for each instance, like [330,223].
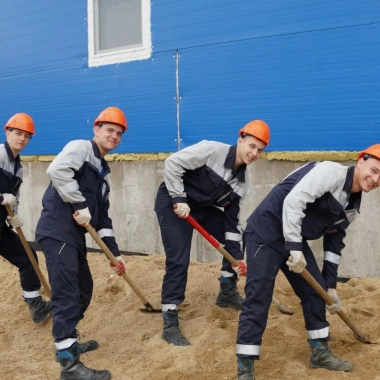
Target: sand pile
[130,341]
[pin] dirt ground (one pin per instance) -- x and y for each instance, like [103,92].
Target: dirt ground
[130,341]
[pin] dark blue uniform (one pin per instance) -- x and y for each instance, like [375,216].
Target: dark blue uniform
[10,245]
[312,202]
[202,176]
[78,180]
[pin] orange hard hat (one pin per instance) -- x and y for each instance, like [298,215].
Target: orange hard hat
[112,115]
[21,121]
[373,150]
[258,129]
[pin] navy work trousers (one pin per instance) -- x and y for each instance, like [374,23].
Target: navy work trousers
[176,236]
[13,251]
[71,286]
[263,264]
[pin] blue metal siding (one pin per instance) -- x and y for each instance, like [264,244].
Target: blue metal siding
[317,90]
[308,67]
[185,24]
[65,103]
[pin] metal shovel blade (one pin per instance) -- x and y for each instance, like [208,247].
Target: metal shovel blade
[150,309]
[281,307]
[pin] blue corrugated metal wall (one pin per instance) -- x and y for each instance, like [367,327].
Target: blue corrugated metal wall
[308,67]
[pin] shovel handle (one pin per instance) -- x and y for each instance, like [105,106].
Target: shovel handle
[322,292]
[228,256]
[113,260]
[212,240]
[29,252]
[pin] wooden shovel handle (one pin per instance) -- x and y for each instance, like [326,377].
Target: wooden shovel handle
[318,288]
[113,260]
[29,252]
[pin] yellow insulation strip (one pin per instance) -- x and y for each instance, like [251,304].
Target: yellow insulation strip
[270,156]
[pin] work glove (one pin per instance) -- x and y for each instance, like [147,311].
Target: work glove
[9,200]
[182,210]
[121,268]
[335,307]
[241,268]
[15,220]
[296,261]
[82,217]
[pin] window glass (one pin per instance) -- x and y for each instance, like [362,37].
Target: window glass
[119,24]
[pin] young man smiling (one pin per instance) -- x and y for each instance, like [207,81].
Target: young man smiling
[19,130]
[78,195]
[208,181]
[319,199]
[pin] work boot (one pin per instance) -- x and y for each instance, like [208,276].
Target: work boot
[172,332]
[245,369]
[322,357]
[40,309]
[73,369]
[228,294]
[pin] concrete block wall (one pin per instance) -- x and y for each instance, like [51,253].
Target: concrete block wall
[133,190]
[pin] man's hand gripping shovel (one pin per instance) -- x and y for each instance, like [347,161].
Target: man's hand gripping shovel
[228,256]
[318,288]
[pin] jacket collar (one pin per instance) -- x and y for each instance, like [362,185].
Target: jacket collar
[230,162]
[354,199]
[16,159]
[106,169]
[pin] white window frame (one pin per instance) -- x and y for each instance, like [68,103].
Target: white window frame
[127,55]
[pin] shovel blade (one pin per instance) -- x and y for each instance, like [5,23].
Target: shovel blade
[150,309]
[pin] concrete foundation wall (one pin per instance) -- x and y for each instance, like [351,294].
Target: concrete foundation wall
[133,189]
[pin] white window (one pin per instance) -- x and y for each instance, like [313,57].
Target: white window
[118,31]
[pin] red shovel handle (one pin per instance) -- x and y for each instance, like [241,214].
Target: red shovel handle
[212,240]
[203,232]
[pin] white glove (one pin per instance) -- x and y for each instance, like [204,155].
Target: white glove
[241,268]
[335,307]
[121,268]
[182,210]
[9,200]
[15,220]
[296,261]
[82,217]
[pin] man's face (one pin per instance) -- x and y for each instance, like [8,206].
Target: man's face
[108,137]
[249,149]
[367,174]
[17,139]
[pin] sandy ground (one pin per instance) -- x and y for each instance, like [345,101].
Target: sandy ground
[130,340]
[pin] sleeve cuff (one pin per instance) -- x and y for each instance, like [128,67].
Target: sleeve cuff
[179,200]
[293,246]
[79,206]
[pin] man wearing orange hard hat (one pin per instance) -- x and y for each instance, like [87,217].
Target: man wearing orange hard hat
[19,130]
[207,181]
[320,199]
[78,196]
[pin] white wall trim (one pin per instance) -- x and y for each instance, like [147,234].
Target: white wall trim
[132,54]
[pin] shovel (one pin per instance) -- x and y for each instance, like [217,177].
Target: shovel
[29,252]
[111,257]
[318,288]
[232,260]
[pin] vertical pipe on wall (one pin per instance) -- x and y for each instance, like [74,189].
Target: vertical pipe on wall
[178,98]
